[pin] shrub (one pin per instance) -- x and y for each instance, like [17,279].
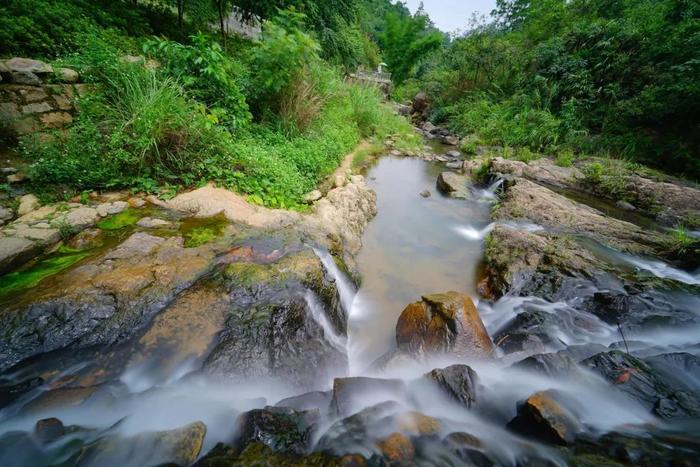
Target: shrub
[565,158]
[210,76]
[139,127]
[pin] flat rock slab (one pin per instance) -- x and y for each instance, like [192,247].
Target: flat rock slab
[14,250]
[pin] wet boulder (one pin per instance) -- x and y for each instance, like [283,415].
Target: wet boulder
[530,331]
[397,449]
[417,424]
[49,429]
[543,264]
[559,364]
[527,200]
[103,301]
[310,400]
[543,417]
[458,382]
[443,323]
[180,446]
[467,448]
[358,433]
[282,429]
[678,369]
[453,184]
[272,330]
[355,392]
[642,383]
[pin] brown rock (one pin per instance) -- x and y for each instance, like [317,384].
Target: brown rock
[443,323]
[49,429]
[542,417]
[397,448]
[416,423]
[66,75]
[56,119]
[24,126]
[453,184]
[32,93]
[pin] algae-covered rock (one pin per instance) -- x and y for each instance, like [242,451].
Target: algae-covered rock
[104,300]
[272,328]
[282,429]
[443,323]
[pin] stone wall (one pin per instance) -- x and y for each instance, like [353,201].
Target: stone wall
[35,97]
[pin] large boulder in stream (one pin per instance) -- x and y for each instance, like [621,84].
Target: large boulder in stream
[274,328]
[453,184]
[443,323]
[642,383]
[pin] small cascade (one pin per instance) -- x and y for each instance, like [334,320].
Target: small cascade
[346,288]
[318,313]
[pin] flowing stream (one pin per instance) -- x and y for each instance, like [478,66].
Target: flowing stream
[415,246]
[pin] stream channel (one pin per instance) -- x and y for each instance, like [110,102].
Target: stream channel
[415,246]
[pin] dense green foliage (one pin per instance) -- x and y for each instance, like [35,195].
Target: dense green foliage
[270,117]
[597,76]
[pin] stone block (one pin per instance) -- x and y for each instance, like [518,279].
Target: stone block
[33,93]
[36,107]
[27,64]
[62,102]
[9,111]
[25,77]
[56,119]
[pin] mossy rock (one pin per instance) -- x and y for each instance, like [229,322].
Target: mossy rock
[119,221]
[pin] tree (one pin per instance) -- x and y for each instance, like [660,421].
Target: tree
[405,41]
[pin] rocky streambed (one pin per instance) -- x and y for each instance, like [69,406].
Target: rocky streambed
[499,322]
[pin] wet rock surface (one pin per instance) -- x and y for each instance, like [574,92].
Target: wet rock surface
[641,382]
[542,416]
[443,323]
[459,382]
[282,429]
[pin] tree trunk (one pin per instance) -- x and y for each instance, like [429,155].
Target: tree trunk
[220,4]
[180,11]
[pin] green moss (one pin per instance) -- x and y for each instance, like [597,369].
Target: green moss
[121,220]
[29,277]
[198,231]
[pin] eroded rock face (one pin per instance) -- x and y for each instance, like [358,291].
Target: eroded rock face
[527,200]
[103,301]
[443,323]
[536,263]
[354,392]
[271,331]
